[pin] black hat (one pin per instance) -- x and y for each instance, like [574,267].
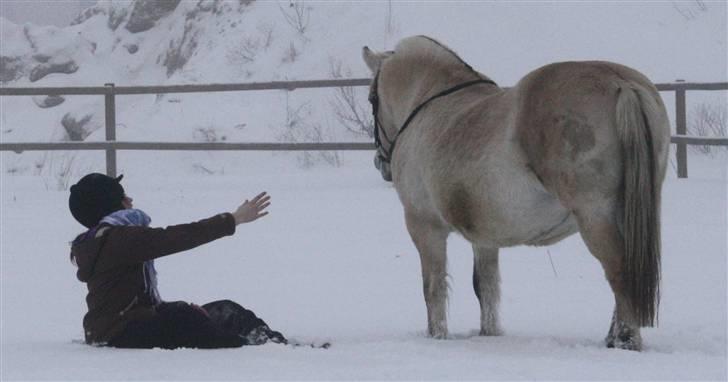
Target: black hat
[95,196]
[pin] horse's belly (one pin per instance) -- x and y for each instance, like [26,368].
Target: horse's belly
[542,225]
[515,213]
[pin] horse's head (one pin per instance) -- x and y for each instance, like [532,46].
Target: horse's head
[382,157]
[419,70]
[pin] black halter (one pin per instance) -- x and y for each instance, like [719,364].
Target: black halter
[385,155]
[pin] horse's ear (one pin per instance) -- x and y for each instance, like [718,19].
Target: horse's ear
[374,59]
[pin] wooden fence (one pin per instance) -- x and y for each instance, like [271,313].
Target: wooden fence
[111,145]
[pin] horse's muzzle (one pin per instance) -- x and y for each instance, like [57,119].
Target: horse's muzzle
[383,166]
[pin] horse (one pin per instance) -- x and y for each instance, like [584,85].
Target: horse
[573,146]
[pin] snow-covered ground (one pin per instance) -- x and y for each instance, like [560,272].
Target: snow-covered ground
[333,262]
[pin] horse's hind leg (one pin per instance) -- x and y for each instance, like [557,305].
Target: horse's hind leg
[486,283]
[601,234]
[430,238]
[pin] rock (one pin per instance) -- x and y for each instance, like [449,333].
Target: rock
[42,58]
[116,17]
[87,14]
[45,102]
[207,6]
[132,48]
[77,129]
[11,68]
[43,69]
[147,12]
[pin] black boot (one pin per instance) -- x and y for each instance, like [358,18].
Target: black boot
[233,318]
[263,334]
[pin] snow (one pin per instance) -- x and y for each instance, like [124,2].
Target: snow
[333,261]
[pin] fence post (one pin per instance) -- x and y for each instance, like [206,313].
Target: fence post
[681,129]
[110,111]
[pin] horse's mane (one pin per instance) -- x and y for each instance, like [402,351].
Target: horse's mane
[418,48]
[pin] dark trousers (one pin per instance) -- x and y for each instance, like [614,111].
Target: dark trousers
[219,324]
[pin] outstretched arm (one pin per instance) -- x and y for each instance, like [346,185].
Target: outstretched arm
[132,244]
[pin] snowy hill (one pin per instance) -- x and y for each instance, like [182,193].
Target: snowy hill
[148,42]
[218,41]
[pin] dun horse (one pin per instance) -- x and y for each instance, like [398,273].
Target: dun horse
[574,146]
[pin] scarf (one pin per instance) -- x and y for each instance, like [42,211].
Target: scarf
[132,217]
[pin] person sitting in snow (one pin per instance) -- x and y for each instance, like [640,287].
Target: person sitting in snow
[115,258]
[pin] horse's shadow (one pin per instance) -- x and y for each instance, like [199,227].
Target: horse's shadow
[525,344]
[521,344]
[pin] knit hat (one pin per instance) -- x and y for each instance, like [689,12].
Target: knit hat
[95,196]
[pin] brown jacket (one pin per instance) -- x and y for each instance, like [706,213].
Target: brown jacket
[111,265]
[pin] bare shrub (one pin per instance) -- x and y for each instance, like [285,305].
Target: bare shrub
[247,50]
[208,134]
[291,54]
[390,25]
[59,170]
[266,35]
[297,15]
[297,130]
[200,168]
[349,108]
[64,172]
[243,53]
[316,133]
[690,10]
[708,120]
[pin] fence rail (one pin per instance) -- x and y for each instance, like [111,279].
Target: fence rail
[205,88]
[253,146]
[183,146]
[111,145]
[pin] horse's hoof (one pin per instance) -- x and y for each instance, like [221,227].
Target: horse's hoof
[622,336]
[491,332]
[438,333]
[627,343]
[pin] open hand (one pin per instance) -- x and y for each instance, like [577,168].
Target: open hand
[252,209]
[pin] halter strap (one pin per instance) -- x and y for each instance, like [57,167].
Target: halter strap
[386,154]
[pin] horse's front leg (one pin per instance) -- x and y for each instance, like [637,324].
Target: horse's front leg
[486,283]
[430,238]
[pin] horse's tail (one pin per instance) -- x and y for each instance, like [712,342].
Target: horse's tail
[639,115]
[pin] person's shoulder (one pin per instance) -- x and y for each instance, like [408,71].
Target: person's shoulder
[119,235]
